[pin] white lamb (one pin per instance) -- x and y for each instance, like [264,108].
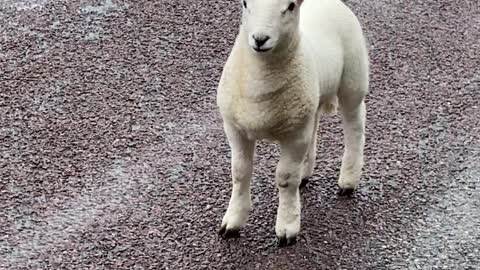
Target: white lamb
[292,61]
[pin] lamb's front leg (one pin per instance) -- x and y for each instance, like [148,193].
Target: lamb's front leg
[242,168]
[288,178]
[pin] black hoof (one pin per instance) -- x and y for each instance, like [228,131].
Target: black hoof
[304,182]
[345,191]
[232,233]
[286,241]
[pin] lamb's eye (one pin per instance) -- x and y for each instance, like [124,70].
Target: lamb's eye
[291,7]
[245,4]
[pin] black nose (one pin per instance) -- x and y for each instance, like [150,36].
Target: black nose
[260,40]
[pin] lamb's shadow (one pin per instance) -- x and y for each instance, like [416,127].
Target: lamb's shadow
[333,225]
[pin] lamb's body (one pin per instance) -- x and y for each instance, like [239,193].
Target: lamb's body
[282,98]
[259,99]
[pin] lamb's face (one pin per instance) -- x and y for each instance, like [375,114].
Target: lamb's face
[270,24]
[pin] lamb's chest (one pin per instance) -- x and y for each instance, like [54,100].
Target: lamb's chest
[271,118]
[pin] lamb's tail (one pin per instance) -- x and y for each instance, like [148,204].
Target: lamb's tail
[329,106]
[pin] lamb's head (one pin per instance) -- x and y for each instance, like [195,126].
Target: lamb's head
[270,25]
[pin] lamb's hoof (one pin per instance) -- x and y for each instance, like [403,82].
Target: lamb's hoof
[230,233]
[304,182]
[345,191]
[286,241]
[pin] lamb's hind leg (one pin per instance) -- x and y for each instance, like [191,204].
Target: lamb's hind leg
[354,138]
[351,97]
[242,168]
[309,160]
[327,107]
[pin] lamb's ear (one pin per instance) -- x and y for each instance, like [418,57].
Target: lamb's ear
[299,2]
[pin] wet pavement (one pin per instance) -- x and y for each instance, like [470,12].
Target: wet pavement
[112,153]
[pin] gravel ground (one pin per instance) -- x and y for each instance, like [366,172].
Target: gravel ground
[112,153]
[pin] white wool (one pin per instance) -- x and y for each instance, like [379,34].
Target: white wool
[316,59]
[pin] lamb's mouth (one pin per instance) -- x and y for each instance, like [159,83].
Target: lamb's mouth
[257,49]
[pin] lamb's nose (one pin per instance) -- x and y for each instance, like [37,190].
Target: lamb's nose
[260,40]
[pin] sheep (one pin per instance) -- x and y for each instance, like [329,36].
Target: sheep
[292,61]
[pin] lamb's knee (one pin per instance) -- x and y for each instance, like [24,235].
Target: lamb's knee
[354,119]
[289,178]
[329,106]
[241,169]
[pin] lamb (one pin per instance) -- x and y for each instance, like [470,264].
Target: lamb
[292,61]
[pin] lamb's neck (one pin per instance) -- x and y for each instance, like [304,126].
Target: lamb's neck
[266,78]
[266,73]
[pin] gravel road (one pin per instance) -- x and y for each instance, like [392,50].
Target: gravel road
[112,152]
